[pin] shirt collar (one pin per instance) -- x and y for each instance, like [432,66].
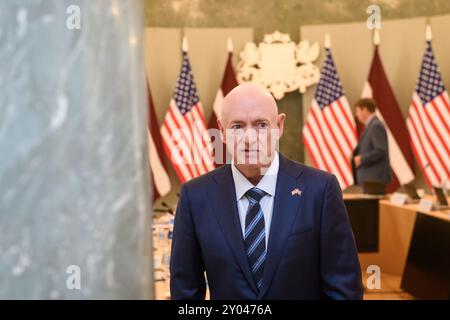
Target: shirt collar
[267,183]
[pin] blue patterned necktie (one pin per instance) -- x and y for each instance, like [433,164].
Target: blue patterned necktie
[255,234]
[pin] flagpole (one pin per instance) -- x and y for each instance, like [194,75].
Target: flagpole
[327,42]
[428,34]
[376,37]
[184,45]
[230,45]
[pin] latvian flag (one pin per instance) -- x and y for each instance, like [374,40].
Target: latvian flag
[160,178]
[228,83]
[400,154]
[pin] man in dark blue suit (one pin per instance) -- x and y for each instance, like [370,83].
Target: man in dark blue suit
[371,155]
[263,227]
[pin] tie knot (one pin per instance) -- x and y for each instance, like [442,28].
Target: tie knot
[255,194]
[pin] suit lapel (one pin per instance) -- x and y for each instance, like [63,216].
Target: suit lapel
[285,209]
[223,201]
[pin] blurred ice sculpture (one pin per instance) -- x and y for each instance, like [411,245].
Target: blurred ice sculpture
[74,190]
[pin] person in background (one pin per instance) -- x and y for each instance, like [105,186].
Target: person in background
[371,156]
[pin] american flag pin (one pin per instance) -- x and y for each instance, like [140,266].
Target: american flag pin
[296,192]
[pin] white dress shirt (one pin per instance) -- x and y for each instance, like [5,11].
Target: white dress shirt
[267,183]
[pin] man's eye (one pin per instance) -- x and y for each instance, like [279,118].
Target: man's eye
[262,125]
[236,126]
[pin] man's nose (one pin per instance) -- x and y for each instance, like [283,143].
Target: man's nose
[250,135]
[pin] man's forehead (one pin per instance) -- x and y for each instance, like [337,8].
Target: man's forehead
[251,114]
[247,98]
[248,89]
[248,119]
[250,111]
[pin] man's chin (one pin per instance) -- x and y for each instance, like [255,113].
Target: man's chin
[252,159]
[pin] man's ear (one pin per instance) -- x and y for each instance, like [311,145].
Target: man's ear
[280,124]
[222,131]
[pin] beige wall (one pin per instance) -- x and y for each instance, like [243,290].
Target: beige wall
[401,48]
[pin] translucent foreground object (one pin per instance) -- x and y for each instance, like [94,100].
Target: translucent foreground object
[74,183]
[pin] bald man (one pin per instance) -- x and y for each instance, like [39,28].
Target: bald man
[263,226]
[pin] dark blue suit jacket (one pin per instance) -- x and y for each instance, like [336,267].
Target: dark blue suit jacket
[311,250]
[373,149]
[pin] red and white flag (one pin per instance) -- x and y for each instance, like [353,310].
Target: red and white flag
[160,178]
[400,155]
[228,83]
[429,121]
[329,133]
[185,138]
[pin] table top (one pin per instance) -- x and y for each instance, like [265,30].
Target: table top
[362,196]
[412,207]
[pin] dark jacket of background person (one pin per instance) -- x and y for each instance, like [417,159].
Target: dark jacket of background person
[373,149]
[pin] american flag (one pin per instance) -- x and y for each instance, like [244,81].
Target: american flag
[429,122]
[329,133]
[186,141]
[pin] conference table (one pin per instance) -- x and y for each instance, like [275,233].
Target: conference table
[411,244]
[396,225]
[427,269]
